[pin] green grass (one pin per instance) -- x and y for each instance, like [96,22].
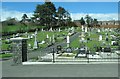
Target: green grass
[75,43]
[5,55]
[40,37]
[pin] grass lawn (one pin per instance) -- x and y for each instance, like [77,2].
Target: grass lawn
[40,37]
[91,44]
[5,55]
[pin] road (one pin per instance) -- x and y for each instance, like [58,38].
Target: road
[54,70]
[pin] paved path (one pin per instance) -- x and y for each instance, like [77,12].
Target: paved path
[57,70]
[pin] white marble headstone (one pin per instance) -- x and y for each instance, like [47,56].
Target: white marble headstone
[98,30]
[100,37]
[47,36]
[59,29]
[82,28]
[35,43]
[68,39]
[85,29]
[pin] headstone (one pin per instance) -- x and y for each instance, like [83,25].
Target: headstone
[68,50]
[29,45]
[112,42]
[53,39]
[85,29]
[42,30]
[31,36]
[107,38]
[13,35]
[59,49]
[82,39]
[82,28]
[68,41]
[35,42]
[100,37]
[59,30]
[98,30]
[47,36]
[36,31]
[17,35]
[107,49]
[51,29]
[28,36]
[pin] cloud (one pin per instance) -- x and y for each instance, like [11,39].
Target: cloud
[13,14]
[99,16]
[75,16]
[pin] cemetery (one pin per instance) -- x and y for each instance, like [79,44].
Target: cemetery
[98,44]
[50,38]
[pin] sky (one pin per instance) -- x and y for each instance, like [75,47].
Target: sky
[99,10]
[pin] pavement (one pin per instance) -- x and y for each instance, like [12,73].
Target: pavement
[60,70]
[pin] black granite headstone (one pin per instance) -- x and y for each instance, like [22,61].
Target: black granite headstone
[107,49]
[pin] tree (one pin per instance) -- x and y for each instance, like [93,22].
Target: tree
[82,21]
[95,22]
[89,21]
[44,14]
[10,21]
[63,17]
[24,19]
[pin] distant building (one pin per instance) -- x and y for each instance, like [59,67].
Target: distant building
[108,22]
[101,23]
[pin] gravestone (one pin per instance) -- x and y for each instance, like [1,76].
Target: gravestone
[29,45]
[53,39]
[35,41]
[26,34]
[98,30]
[42,30]
[68,41]
[68,50]
[82,28]
[47,36]
[85,29]
[13,35]
[115,43]
[50,40]
[106,38]
[82,50]
[51,29]
[107,49]
[100,37]
[19,49]
[59,49]
[59,30]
